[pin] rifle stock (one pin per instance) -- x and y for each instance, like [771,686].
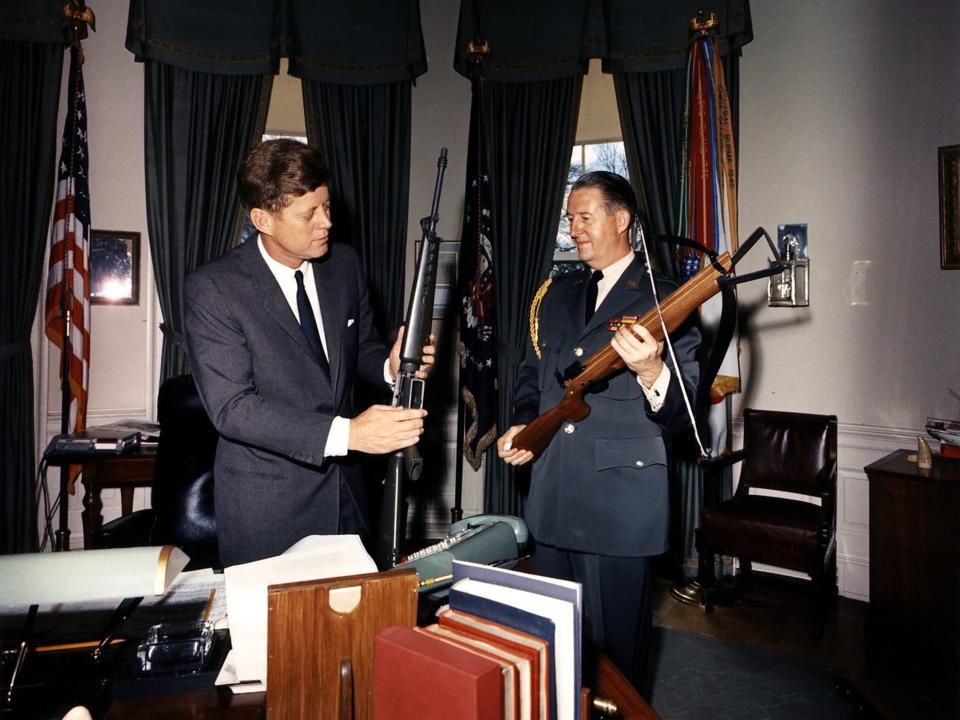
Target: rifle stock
[605,362]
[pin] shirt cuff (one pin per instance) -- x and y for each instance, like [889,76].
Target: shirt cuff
[338,439]
[657,392]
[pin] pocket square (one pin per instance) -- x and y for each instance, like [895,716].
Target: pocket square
[349,322]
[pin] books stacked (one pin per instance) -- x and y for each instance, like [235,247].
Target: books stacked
[507,647]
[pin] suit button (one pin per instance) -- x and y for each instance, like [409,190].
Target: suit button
[639,463]
[569,428]
[578,351]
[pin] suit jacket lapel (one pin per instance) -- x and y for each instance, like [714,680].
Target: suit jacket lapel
[333,314]
[273,301]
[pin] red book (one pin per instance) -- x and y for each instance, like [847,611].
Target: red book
[513,682]
[537,650]
[418,677]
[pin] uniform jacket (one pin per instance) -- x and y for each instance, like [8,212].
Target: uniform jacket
[601,484]
[270,400]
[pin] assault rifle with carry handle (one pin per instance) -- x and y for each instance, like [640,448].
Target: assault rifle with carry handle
[409,389]
[582,377]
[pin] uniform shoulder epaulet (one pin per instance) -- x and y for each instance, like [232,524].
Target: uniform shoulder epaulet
[535,315]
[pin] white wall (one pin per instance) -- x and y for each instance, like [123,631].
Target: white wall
[842,108]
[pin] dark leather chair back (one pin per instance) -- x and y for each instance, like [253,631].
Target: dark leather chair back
[182,494]
[787,451]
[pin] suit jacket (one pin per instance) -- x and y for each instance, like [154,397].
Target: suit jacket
[601,484]
[270,400]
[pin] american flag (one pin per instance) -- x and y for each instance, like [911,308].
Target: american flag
[68,283]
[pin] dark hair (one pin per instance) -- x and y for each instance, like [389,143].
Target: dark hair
[276,171]
[616,190]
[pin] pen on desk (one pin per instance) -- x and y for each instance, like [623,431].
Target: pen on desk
[209,607]
[435,580]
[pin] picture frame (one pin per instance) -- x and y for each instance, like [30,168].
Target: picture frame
[949,164]
[114,267]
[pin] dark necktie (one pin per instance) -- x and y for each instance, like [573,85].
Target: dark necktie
[308,323]
[591,303]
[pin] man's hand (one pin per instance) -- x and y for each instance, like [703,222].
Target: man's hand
[426,360]
[640,351]
[510,454]
[383,429]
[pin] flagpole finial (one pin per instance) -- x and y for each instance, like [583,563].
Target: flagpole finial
[477,49]
[702,23]
[78,16]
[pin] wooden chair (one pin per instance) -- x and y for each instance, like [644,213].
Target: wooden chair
[786,452]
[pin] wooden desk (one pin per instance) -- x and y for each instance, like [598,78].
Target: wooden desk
[126,472]
[914,565]
[221,704]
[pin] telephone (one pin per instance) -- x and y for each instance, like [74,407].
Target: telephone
[487,539]
[517,523]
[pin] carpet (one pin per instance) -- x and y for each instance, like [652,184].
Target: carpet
[701,678]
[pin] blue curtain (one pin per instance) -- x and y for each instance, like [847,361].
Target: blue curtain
[29,98]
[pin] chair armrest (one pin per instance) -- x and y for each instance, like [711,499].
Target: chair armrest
[711,465]
[712,469]
[133,530]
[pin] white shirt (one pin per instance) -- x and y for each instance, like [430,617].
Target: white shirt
[338,438]
[657,392]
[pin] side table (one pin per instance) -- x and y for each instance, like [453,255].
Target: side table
[126,472]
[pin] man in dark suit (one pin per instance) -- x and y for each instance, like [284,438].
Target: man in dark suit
[277,330]
[598,503]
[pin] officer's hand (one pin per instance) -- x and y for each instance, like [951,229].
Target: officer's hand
[510,454]
[640,351]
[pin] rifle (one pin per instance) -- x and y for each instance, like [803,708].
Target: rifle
[606,362]
[409,389]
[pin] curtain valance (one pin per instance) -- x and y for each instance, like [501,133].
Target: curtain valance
[361,42]
[35,21]
[653,34]
[540,40]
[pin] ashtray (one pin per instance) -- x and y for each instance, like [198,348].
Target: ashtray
[175,648]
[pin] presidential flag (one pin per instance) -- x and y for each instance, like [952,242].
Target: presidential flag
[477,349]
[68,287]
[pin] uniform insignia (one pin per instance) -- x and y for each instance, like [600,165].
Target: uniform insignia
[535,315]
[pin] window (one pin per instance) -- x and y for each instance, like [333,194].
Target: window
[586,157]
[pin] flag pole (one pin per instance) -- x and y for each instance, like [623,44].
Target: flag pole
[62,536]
[77,16]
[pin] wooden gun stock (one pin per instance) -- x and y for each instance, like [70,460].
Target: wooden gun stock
[605,362]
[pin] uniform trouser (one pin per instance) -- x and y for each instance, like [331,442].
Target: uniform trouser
[616,599]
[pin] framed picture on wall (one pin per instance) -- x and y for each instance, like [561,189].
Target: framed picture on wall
[114,267]
[949,157]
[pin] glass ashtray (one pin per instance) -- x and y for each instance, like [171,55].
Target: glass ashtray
[175,648]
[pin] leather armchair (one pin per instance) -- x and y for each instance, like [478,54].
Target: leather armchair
[787,452]
[182,511]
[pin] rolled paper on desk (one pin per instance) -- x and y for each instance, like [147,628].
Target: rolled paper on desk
[86,575]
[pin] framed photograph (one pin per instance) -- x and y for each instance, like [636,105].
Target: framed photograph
[114,267]
[949,157]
